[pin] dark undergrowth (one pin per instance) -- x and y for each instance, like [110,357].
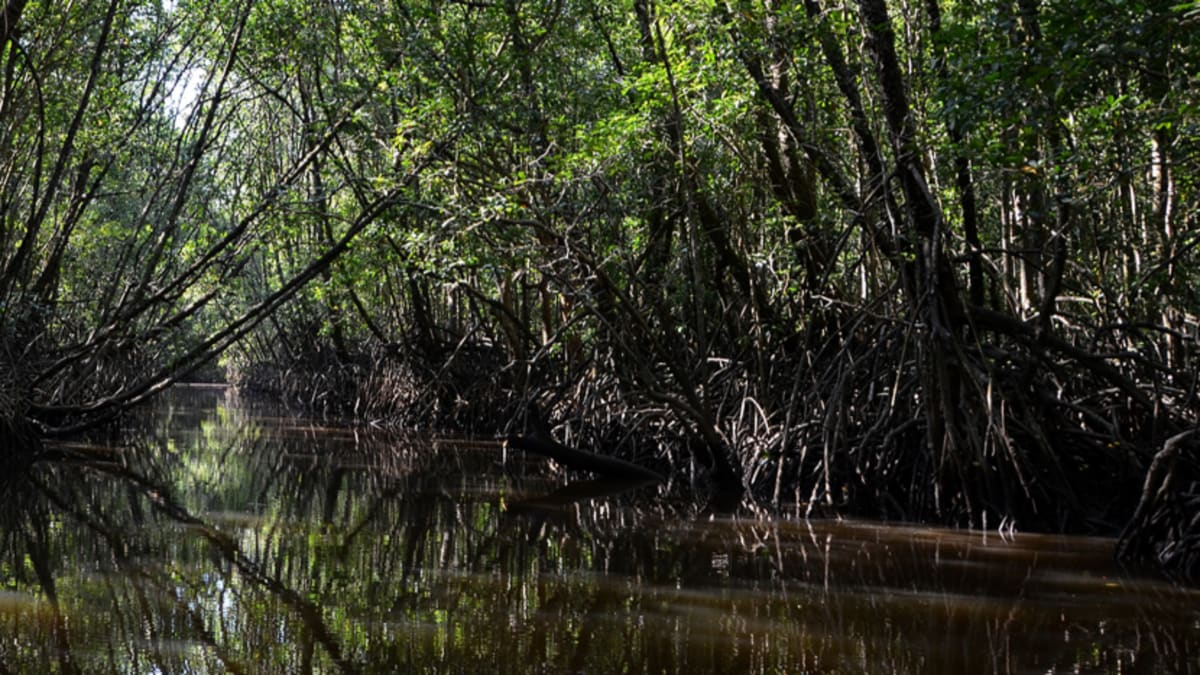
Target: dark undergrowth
[1025,433]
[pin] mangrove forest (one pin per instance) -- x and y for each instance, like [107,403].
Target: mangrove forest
[922,262]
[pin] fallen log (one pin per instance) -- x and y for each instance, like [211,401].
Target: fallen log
[573,458]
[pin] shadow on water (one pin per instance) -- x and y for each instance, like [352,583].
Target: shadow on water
[227,537]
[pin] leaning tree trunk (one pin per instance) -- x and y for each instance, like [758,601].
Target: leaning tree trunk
[933,300]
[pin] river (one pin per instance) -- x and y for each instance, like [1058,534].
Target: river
[215,536]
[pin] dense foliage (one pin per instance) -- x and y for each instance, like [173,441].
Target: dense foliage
[918,260]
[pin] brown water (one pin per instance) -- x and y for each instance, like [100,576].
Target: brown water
[227,539]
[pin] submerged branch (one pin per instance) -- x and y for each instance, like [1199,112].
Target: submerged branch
[611,467]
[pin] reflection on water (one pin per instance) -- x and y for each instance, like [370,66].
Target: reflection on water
[228,539]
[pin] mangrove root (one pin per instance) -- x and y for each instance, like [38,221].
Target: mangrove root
[1165,526]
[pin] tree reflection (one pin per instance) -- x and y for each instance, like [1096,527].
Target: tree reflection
[240,540]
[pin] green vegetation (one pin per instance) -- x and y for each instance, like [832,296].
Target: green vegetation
[929,261]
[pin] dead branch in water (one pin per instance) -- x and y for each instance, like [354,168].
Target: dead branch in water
[611,467]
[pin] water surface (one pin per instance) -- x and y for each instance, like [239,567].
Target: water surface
[222,537]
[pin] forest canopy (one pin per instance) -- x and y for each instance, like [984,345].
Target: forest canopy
[930,261]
